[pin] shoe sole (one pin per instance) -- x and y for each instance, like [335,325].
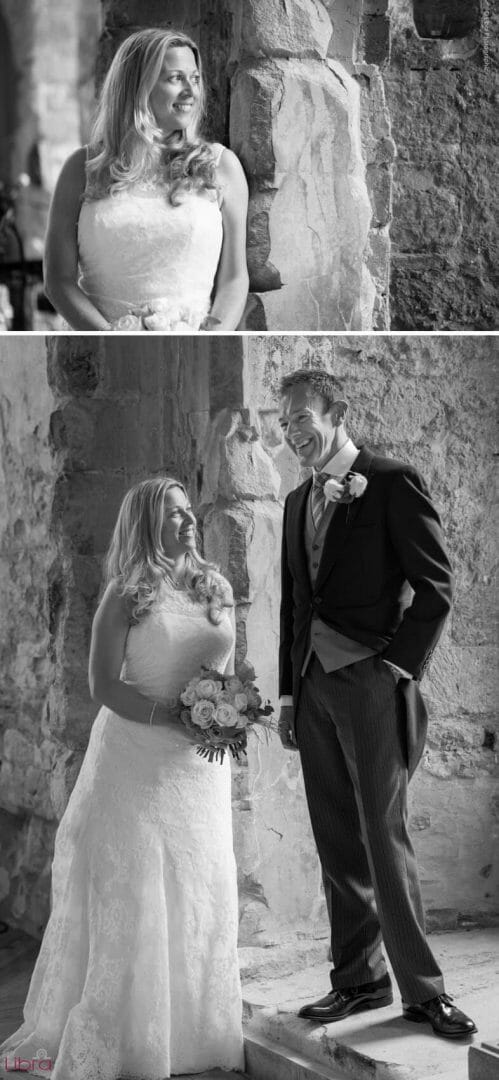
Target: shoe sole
[359,1006]
[416,1018]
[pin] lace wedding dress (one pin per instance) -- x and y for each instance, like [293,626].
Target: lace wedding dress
[137,974]
[138,254]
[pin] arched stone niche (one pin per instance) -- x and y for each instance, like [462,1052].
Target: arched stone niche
[295,92]
[447,19]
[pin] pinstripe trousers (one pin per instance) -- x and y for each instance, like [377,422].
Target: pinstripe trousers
[349,730]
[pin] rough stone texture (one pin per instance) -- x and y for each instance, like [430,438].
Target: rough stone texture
[205,410]
[442,100]
[483,1063]
[27,477]
[310,213]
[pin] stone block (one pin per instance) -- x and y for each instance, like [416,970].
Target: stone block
[376,30]
[430,222]
[269,1061]
[483,1062]
[310,211]
[265,28]
[236,466]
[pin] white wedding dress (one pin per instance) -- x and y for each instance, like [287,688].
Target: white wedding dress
[137,974]
[138,253]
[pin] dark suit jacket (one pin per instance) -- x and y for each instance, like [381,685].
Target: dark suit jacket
[384,579]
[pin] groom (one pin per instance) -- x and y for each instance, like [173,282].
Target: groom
[366,589]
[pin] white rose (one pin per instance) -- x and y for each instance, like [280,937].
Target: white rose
[127,322]
[241,702]
[189,696]
[157,321]
[234,685]
[357,485]
[333,490]
[208,688]
[203,713]
[182,327]
[226,715]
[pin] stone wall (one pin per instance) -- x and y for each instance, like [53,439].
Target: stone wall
[442,100]
[205,410]
[27,478]
[432,401]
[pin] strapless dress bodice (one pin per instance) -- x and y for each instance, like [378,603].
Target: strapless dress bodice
[139,253]
[170,644]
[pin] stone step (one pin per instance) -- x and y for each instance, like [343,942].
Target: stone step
[269,1061]
[483,1062]
[379,1045]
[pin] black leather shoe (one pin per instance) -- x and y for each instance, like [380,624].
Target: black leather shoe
[340,1003]
[443,1016]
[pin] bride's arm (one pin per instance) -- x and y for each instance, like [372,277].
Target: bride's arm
[107,649]
[229,667]
[231,282]
[61,250]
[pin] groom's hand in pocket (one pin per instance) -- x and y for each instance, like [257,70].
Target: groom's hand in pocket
[285,724]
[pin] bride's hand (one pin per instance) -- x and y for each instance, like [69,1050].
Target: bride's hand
[168,716]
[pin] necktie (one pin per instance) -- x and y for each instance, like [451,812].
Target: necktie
[318,498]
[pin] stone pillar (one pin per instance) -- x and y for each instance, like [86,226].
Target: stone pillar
[289,104]
[279,880]
[27,478]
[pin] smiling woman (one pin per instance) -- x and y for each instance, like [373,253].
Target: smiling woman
[175,97]
[146,838]
[147,229]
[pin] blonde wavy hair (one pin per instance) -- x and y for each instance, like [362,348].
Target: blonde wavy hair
[137,563]
[126,144]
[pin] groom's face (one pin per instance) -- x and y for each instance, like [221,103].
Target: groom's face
[308,429]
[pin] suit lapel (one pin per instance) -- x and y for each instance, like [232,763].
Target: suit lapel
[297,524]
[342,521]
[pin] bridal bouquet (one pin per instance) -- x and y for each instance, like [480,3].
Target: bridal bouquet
[220,709]
[165,316]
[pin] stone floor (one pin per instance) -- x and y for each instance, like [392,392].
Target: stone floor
[369,1046]
[379,1045]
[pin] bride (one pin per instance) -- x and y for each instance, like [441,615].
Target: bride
[147,227]
[137,974]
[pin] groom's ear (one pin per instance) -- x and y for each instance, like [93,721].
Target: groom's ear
[338,411]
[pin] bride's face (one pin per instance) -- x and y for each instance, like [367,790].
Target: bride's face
[178,534]
[174,99]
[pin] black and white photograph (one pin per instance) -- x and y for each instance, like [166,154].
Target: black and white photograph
[307,165]
[248,595]
[249,520]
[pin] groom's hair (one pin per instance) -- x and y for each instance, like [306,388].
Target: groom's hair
[316,381]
